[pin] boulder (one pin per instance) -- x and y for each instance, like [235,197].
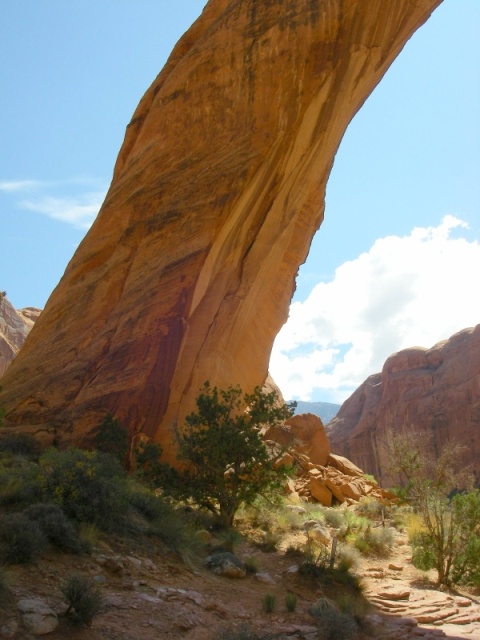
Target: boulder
[303,434]
[320,492]
[37,617]
[226,564]
[344,465]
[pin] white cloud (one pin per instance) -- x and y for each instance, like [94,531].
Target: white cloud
[11,186]
[79,211]
[406,291]
[75,201]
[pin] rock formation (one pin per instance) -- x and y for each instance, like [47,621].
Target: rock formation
[14,328]
[188,271]
[433,390]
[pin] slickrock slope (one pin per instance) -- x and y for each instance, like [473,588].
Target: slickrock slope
[436,390]
[14,328]
[188,271]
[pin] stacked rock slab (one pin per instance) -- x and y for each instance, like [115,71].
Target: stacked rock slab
[188,271]
[319,475]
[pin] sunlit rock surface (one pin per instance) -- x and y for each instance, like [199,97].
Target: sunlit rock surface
[14,328]
[188,271]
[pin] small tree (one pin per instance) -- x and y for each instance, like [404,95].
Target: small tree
[227,463]
[438,490]
[112,438]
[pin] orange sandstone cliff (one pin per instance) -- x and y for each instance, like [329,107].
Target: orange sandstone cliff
[435,391]
[218,189]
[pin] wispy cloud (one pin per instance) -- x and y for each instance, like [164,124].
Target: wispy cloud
[12,186]
[405,291]
[75,201]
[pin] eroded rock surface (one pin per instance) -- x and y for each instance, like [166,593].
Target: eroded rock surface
[14,328]
[188,271]
[433,390]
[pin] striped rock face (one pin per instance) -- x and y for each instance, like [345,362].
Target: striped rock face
[188,271]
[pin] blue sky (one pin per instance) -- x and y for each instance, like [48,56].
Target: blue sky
[397,259]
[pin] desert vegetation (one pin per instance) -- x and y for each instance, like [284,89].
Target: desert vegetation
[446,535]
[228,498]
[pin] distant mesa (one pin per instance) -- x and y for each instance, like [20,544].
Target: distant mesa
[324,410]
[188,271]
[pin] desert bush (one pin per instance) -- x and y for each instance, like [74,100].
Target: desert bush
[89,535]
[21,540]
[149,470]
[291,601]
[229,539]
[348,557]
[269,602]
[87,485]
[269,542]
[333,624]
[83,598]
[55,526]
[112,438]
[450,540]
[18,482]
[334,518]
[251,564]
[375,542]
[371,508]
[21,444]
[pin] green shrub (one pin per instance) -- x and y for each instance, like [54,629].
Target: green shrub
[227,463]
[269,543]
[83,598]
[334,518]
[450,540]
[18,482]
[21,444]
[149,469]
[332,623]
[291,601]
[371,508]
[112,438]
[55,526]
[269,602]
[347,557]
[87,485]
[375,542]
[21,540]
[251,564]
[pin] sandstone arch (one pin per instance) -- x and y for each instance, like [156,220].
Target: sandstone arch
[218,189]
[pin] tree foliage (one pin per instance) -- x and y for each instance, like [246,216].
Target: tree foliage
[439,488]
[112,438]
[227,463]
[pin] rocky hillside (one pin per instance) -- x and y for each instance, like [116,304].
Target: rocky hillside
[188,271]
[435,390]
[14,328]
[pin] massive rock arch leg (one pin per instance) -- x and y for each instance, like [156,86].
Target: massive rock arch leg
[188,271]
